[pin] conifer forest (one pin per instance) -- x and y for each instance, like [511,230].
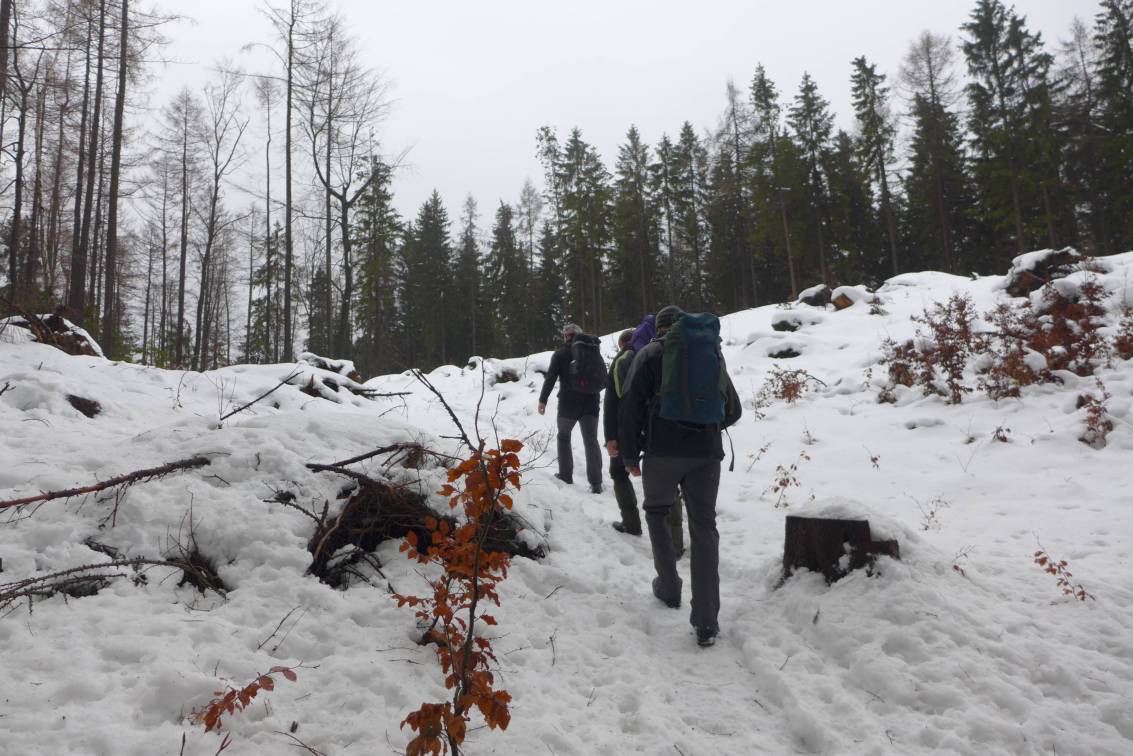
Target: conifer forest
[254,217]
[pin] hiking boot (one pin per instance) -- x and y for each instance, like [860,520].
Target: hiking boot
[596,488]
[568,481]
[672,604]
[706,636]
[621,528]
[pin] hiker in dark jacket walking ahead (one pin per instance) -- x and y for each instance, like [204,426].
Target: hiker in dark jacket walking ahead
[616,383]
[575,407]
[676,453]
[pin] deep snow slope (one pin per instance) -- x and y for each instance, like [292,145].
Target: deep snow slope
[920,658]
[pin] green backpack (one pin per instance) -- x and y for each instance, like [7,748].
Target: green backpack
[692,372]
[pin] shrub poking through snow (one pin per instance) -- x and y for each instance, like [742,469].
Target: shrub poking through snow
[231,700]
[936,359]
[1059,568]
[950,343]
[469,576]
[786,385]
[1123,339]
[1098,422]
[1011,363]
[785,478]
[1067,331]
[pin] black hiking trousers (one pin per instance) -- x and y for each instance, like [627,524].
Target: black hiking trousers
[699,477]
[588,426]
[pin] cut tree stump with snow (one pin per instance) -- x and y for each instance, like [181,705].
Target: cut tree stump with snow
[833,547]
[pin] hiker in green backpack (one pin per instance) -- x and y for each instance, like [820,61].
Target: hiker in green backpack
[616,383]
[678,400]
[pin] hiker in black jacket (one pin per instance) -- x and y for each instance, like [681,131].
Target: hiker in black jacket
[616,383]
[676,454]
[574,407]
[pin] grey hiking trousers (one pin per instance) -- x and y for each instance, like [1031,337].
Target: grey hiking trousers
[588,426]
[700,477]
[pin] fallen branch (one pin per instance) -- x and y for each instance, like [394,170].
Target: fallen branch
[6,387]
[341,471]
[127,479]
[262,396]
[404,446]
[88,579]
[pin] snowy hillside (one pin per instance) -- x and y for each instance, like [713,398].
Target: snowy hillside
[963,646]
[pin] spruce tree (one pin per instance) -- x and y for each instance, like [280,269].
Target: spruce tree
[378,233]
[1113,34]
[509,282]
[1015,149]
[769,186]
[473,331]
[689,203]
[877,131]
[812,123]
[633,261]
[936,184]
[426,289]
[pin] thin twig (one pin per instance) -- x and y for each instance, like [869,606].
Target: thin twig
[300,744]
[264,395]
[277,627]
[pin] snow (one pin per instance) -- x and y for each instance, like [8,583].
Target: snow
[962,646]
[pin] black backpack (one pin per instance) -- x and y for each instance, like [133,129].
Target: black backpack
[587,371]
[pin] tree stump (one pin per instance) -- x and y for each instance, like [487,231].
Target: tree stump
[833,547]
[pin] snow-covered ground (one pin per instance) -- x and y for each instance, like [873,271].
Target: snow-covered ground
[989,658]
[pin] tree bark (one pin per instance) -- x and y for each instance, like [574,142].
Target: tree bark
[93,150]
[832,547]
[109,322]
[76,285]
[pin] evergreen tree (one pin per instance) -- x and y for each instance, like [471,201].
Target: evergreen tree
[583,197]
[633,262]
[936,185]
[690,196]
[378,232]
[549,292]
[1113,34]
[663,185]
[319,317]
[856,238]
[1009,118]
[509,282]
[875,141]
[426,289]
[812,123]
[472,332]
[772,235]
[266,328]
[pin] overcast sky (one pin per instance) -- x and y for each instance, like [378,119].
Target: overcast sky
[472,81]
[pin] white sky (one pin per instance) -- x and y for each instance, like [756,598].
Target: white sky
[472,81]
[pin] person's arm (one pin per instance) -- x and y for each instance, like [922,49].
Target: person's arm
[733,407]
[633,409]
[610,411]
[549,381]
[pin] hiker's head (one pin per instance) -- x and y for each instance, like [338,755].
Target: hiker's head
[666,316]
[570,330]
[623,339]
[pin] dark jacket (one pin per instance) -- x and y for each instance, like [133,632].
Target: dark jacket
[571,403]
[642,430]
[615,379]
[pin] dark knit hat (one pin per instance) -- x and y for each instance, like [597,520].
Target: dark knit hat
[666,316]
